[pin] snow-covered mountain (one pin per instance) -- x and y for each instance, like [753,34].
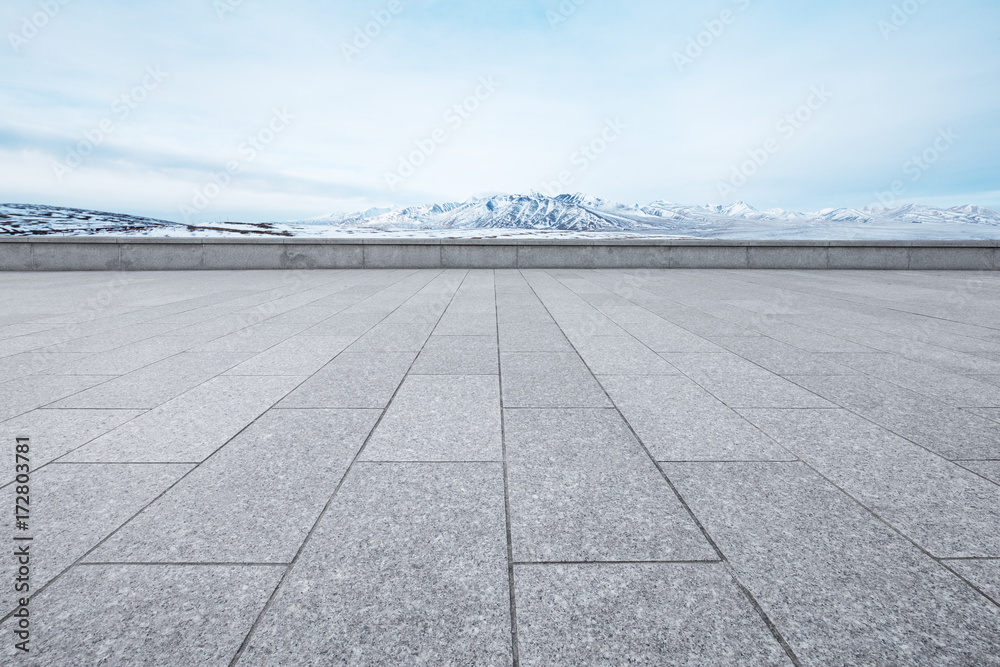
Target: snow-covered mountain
[37,220]
[587,213]
[539,214]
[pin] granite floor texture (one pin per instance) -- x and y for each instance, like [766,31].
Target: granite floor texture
[477,467]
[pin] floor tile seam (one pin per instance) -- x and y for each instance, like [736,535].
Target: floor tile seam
[775,632]
[135,563]
[237,656]
[344,351]
[172,356]
[681,372]
[976,472]
[703,312]
[868,419]
[236,331]
[946,564]
[58,459]
[896,383]
[882,307]
[109,328]
[141,340]
[554,563]
[426,462]
[728,461]
[557,408]
[511,583]
[82,558]
[869,511]
[123,463]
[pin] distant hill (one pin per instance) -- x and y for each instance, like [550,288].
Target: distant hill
[534,214]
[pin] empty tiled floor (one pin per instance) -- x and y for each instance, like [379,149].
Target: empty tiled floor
[563,467]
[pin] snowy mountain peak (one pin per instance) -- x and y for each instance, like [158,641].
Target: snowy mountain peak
[539,213]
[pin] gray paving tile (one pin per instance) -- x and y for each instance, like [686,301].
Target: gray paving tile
[311,315]
[353,381]
[192,426]
[949,431]
[983,574]
[411,313]
[927,380]
[210,329]
[592,323]
[74,507]
[993,414]
[662,336]
[17,366]
[782,358]
[939,505]
[299,355]
[841,586]
[988,469]
[932,355]
[698,322]
[255,500]
[441,418]
[532,337]
[156,384]
[582,489]
[352,325]
[549,380]
[660,614]
[462,323]
[254,338]
[53,433]
[35,391]
[130,357]
[511,282]
[679,421]
[389,337]
[42,343]
[409,565]
[149,615]
[991,379]
[810,340]
[458,355]
[628,311]
[616,355]
[742,384]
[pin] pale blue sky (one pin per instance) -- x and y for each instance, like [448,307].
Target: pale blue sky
[556,85]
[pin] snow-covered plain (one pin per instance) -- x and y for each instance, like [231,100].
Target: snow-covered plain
[536,215]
